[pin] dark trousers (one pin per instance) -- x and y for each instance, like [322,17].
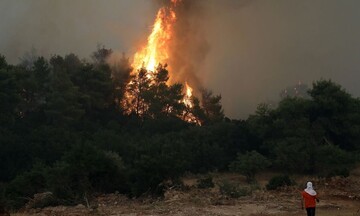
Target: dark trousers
[310,211]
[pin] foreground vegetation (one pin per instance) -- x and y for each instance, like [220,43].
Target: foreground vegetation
[65,129]
[217,194]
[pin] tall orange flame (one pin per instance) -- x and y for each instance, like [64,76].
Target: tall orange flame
[187,99]
[157,49]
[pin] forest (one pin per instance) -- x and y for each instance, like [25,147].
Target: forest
[78,128]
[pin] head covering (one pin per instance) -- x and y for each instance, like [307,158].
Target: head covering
[309,189]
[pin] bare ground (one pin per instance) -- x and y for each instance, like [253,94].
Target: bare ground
[339,197]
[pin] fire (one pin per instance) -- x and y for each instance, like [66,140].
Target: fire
[157,49]
[187,100]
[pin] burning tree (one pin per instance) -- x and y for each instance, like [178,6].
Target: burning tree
[150,95]
[149,92]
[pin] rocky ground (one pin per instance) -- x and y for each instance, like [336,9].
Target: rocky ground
[339,197]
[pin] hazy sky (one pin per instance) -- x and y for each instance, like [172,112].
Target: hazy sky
[257,47]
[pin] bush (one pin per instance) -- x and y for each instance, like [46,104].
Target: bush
[85,170]
[279,181]
[233,190]
[333,161]
[249,164]
[42,200]
[341,172]
[206,182]
[24,186]
[158,160]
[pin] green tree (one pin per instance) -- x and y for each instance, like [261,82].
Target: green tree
[162,99]
[9,98]
[34,85]
[96,86]
[293,154]
[330,160]
[24,186]
[14,155]
[261,122]
[212,107]
[120,74]
[158,159]
[337,112]
[85,170]
[63,105]
[137,88]
[249,164]
[149,95]
[205,148]
[3,63]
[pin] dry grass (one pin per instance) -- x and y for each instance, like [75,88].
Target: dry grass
[335,200]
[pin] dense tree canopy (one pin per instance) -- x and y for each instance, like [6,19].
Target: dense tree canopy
[77,127]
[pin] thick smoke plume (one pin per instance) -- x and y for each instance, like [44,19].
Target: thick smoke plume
[245,50]
[189,46]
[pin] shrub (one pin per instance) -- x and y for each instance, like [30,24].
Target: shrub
[24,186]
[158,160]
[233,190]
[206,182]
[42,200]
[342,172]
[333,161]
[249,164]
[279,181]
[85,170]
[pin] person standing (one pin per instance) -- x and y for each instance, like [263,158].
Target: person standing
[309,199]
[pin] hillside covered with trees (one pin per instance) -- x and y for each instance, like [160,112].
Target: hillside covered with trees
[65,128]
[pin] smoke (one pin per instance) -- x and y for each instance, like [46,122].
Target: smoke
[247,51]
[259,48]
[189,44]
[64,26]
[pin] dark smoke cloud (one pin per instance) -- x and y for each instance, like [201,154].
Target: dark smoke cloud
[190,46]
